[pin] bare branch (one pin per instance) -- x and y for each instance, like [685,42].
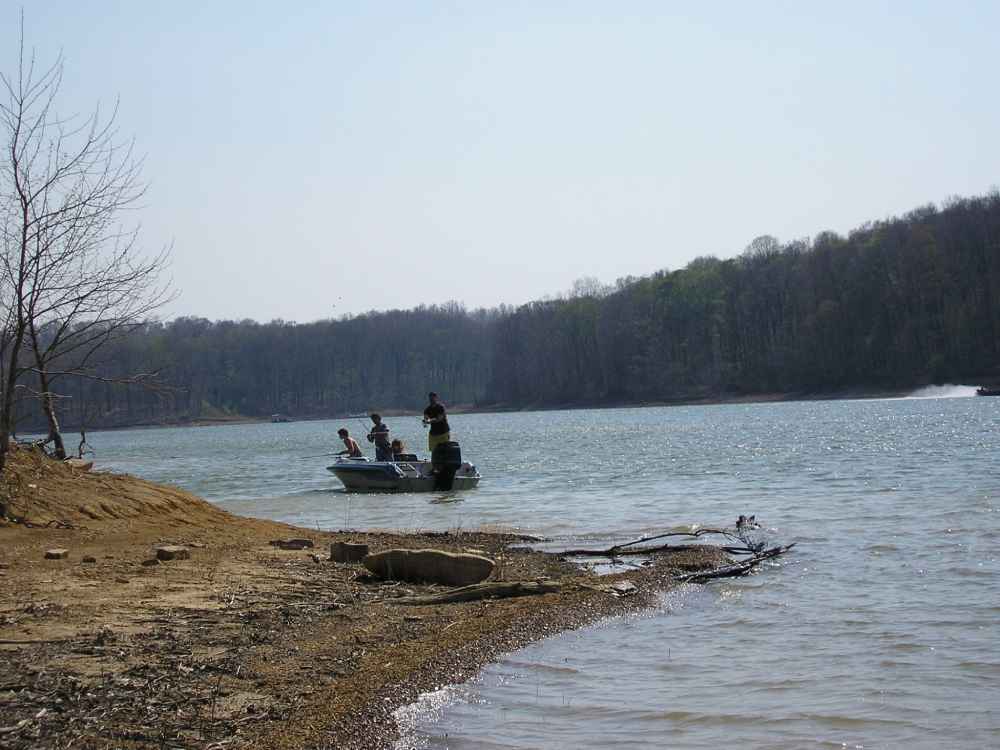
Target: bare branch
[72,275]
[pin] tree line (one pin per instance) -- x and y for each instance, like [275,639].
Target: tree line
[226,369]
[896,303]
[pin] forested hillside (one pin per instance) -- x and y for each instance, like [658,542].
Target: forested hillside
[896,303]
[209,370]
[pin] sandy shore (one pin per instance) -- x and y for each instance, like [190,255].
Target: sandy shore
[243,644]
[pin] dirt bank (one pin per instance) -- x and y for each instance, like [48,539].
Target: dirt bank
[243,644]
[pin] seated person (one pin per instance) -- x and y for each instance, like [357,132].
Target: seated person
[398,447]
[351,447]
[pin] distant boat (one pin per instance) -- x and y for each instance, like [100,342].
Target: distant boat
[280,418]
[986,391]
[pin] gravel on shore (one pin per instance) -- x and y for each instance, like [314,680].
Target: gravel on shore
[244,644]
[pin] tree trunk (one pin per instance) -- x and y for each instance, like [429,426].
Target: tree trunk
[7,409]
[48,403]
[48,406]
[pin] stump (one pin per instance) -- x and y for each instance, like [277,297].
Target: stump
[292,544]
[172,552]
[348,552]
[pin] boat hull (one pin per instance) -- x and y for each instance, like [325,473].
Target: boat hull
[391,476]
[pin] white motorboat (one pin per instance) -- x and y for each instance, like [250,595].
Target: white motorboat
[444,472]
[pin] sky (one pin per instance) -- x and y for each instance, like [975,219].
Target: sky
[310,160]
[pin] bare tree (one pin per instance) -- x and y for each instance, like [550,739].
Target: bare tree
[762,247]
[589,286]
[73,277]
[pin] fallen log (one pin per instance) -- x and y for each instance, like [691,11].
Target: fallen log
[490,590]
[618,551]
[736,570]
[27,641]
[747,546]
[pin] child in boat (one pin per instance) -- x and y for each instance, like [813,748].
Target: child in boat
[397,446]
[351,447]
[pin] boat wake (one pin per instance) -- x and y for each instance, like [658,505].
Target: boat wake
[944,391]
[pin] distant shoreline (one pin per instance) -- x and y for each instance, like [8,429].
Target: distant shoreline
[846,394]
[711,400]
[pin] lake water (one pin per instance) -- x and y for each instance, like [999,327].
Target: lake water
[880,630]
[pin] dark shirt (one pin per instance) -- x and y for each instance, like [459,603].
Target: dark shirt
[379,435]
[437,410]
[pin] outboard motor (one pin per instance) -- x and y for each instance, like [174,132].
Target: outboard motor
[446,460]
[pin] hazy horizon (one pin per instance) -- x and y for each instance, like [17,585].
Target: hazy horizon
[311,162]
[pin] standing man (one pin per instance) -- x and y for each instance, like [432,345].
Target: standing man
[380,436]
[435,416]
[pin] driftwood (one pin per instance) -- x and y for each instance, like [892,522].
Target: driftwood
[26,641]
[746,546]
[617,551]
[490,590]
[740,533]
[742,568]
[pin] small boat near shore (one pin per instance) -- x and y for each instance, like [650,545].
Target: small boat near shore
[987,391]
[444,472]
